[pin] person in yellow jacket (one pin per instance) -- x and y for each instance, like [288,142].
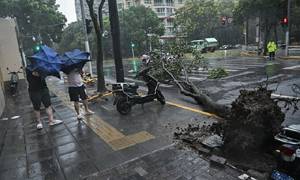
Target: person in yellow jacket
[272,49]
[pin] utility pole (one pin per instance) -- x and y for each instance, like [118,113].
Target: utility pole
[258,34]
[287,33]
[115,32]
[86,39]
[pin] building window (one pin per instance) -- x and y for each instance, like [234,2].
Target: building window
[158,2]
[147,2]
[160,11]
[170,2]
[180,1]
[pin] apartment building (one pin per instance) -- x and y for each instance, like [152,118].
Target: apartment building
[105,9]
[165,10]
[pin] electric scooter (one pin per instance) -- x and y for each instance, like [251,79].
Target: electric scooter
[126,94]
[14,79]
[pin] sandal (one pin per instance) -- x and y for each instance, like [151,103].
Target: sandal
[55,122]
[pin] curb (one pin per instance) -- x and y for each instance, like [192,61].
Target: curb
[290,57]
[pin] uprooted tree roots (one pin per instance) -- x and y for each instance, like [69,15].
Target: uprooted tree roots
[254,120]
[248,126]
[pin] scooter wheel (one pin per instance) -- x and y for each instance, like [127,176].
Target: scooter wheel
[160,97]
[123,106]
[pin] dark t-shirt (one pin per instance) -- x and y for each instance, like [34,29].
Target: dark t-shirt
[36,83]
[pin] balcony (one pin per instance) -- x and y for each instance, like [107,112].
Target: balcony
[164,4]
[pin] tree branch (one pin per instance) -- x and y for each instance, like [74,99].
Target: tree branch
[200,98]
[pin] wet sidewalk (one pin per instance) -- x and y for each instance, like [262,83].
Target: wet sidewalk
[141,149]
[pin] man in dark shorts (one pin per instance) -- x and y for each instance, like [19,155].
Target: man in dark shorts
[76,91]
[39,93]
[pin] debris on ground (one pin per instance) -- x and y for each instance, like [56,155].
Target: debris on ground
[245,139]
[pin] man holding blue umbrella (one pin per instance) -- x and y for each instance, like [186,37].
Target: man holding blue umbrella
[39,93]
[72,64]
[43,63]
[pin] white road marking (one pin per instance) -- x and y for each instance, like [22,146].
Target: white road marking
[292,67]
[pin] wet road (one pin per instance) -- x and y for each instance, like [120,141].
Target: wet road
[244,72]
[135,146]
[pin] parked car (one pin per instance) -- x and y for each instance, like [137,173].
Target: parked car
[289,150]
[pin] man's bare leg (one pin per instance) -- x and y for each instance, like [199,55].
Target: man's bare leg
[77,108]
[50,114]
[86,108]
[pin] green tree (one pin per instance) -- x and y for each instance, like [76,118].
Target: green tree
[135,24]
[72,37]
[199,19]
[35,18]
[269,11]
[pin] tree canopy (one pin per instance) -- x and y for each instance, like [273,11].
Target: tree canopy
[199,19]
[35,18]
[72,37]
[135,24]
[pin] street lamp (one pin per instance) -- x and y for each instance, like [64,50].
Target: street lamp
[150,43]
[132,49]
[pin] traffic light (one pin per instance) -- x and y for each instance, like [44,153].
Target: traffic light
[284,22]
[88,25]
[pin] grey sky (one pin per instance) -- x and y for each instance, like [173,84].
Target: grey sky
[67,7]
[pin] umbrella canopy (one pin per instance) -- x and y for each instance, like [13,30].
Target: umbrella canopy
[46,62]
[75,59]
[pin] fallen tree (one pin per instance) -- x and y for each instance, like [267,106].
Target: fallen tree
[251,121]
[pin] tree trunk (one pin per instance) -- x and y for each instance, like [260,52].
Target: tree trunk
[266,37]
[100,73]
[115,32]
[187,88]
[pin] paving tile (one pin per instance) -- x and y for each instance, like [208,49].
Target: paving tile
[34,147]
[40,156]
[56,129]
[109,161]
[48,169]
[67,148]
[90,140]
[36,137]
[72,158]
[14,139]
[58,141]
[84,134]
[14,174]
[80,170]
[58,134]
[70,120]
[12,162]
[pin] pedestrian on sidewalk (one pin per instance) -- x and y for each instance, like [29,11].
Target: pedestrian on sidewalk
[272,49]
[39,93]
[76,91]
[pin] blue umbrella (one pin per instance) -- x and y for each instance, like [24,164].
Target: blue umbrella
[75,59]
[46,62]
